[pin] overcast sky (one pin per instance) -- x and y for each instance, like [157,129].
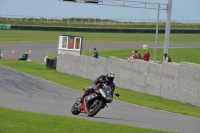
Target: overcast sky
[182,10]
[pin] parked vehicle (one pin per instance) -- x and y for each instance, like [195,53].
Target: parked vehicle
[23,57]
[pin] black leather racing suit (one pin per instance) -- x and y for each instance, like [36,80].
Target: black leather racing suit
[102,78]
[98,83]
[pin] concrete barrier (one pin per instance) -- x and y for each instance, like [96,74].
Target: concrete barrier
[174,81]
[170,81]
[189,83]
[83,66]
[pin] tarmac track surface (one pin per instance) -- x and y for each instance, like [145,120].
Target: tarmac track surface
[26,92]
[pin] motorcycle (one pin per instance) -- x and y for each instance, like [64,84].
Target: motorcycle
[94,101]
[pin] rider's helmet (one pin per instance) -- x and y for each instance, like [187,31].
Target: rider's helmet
[110,76]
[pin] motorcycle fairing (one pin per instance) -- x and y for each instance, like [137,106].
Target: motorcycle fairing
[86,100]
[107,90]
[90,97]
[83,107]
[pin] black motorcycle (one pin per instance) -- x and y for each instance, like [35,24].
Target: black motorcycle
[93,102]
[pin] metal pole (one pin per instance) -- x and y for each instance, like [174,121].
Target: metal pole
[89,50]
[156,39]
[168,26]
[106,66]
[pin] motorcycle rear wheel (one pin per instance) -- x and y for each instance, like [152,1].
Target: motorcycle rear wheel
[74,109]
[96,110]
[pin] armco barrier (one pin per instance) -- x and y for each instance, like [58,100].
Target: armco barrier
[174,81]
[84,29]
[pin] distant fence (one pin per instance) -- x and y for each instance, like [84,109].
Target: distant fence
[23,18]
[116,30]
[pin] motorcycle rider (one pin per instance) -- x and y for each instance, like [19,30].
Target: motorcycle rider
[107,79]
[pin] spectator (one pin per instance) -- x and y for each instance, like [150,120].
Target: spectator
[69,46]
[146,56]
[137,55]
[95,55]
[167,58]
[132,54]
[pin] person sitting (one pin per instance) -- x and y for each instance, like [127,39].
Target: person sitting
[132,53]
[167,58]
[137,55]
[131,56]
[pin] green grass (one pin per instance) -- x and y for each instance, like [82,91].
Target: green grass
[130,96]
[112,24]
[12,36]
[22,121]
[177,54]
[19,121]
[52,56]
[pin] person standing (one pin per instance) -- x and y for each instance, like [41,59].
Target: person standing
[95,55]
[146,56]
[0,53]
[69,46]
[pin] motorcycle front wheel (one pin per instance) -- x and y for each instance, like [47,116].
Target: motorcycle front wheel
[94,108]
[74,108]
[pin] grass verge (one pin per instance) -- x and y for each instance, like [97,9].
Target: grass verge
[177,54]
[19,121]
[13,36]
[127,95]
